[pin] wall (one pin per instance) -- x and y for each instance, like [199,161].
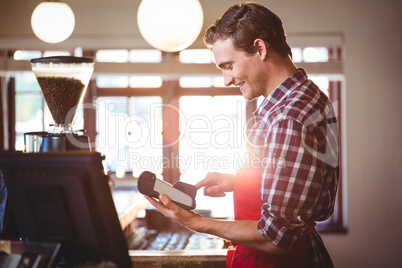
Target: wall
[372,104]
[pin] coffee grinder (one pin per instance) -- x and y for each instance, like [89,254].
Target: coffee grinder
[63,81]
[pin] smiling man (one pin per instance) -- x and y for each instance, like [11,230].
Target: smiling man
[295,138]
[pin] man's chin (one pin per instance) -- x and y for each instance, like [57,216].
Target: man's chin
[248,97]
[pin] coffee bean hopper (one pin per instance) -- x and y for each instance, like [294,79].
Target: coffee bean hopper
[63,81]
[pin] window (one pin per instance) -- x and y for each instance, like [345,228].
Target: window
[27,55]
[213,134]
[145,55]
[213,137]
[116,81]
[30,110]
[196,56]
[124,55]
[129,134]
[116,55]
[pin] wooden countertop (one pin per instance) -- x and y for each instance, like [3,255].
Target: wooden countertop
[178,258]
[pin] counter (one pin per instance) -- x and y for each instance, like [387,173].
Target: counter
[128,204]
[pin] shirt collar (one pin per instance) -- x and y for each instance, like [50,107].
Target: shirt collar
[280,93]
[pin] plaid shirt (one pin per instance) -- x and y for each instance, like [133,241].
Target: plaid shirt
[296,140]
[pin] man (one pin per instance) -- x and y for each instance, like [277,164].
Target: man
[295,139]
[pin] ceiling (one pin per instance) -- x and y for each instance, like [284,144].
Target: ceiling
[99,24]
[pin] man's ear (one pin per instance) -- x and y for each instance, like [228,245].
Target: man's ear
[262,48]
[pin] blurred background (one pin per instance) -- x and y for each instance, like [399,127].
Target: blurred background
[168,111]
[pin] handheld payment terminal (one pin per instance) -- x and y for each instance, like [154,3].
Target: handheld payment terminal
[182,194]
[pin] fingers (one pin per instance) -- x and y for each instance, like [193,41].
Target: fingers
[209,179]
[164,205]
[169,209]
[200,184]
[153,201]
[214,191]
[165,200]
[216,184]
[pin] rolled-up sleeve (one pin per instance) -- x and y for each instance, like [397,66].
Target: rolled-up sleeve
[292,182]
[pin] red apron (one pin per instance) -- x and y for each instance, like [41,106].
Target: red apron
[247,206]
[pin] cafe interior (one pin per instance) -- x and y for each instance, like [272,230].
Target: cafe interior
[141,99]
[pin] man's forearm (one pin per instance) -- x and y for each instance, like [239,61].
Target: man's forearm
[242,232]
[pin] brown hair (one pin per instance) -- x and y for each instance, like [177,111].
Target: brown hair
[246,22]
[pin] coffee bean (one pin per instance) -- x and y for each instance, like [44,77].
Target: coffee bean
[61,94]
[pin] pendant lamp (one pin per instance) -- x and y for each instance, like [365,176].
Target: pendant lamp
[52,22]
[170,25]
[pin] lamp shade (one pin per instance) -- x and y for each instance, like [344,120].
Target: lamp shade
[170,25]
[52,22]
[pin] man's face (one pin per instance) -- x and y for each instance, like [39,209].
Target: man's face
[240,69]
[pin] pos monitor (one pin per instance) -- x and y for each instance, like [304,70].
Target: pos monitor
[65,197]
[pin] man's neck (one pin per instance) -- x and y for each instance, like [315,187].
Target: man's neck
[278,70]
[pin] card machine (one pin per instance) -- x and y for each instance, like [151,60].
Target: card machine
[182,194]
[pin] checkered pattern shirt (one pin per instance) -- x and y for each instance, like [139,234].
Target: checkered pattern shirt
[296,140]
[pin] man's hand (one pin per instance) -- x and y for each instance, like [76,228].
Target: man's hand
[239,231]
[172,211]
[216,184]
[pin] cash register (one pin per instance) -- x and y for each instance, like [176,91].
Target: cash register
[56,188]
